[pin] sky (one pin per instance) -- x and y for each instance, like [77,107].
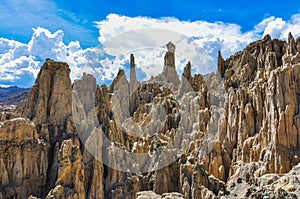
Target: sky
[97,36]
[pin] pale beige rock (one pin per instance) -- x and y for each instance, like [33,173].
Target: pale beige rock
[70,182]
[240,125]
[23,159]
[49,100]
[147,195]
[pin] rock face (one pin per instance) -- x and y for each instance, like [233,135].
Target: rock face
[268,185]
[49,107]
[70,181]
[266,88]
[221,66]
[230,134]
[23,159]
[49,98]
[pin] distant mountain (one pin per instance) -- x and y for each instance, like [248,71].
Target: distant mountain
[13,95]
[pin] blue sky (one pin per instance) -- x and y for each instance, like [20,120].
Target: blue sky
[81,28]
[77,17]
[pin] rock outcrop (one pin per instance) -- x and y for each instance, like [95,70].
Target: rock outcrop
[23,159]
[70,181]
[50,97]
[268,185]
[169,74]
[134,83]
[233,133]
[264,106]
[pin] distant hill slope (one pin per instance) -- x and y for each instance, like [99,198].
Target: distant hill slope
[13,95]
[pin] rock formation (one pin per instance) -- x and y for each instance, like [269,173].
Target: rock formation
[70,181]
[49,100]
[169,71]
[170,56]
[134,84]
[230,134]
[23,159]
[221,67]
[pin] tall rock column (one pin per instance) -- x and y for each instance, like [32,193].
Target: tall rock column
[49,101]
[169,71]
[170,56]
[291,48]
[221,65]
[49,106]
[134,84]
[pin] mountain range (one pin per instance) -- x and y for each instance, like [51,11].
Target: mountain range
[13,95]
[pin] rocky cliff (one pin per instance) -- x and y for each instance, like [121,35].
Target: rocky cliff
[232,133]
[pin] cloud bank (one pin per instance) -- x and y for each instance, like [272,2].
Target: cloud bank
[21,62]
[197,41]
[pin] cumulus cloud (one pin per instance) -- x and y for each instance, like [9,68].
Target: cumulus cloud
[21,61]
[119,36]
[143,31]
[197,41]
[16,62]
[279,28]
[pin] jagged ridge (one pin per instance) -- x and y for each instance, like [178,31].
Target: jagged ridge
[259,133]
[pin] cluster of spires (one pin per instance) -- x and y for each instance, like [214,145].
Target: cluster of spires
[169,67]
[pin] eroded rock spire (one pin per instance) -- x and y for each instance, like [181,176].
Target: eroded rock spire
[170,56]
[169,71]
[134,84]
[221,66]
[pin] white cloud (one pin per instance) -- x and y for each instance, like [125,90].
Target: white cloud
[129,33]
[279,28]
[15,60]
[197,41]
[45,44]
[275,27]
[19,60]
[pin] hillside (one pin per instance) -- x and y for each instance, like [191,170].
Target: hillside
[13,95]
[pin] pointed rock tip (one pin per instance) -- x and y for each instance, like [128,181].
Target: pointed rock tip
[170,46]
[132,65]
[220,54]
[267,37]
[290,36]
[121,72]
[55,65]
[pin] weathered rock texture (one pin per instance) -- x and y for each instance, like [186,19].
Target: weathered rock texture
[233,133]
[263,110]
[49,100]
[169,74]
[134,83]
[23,159]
